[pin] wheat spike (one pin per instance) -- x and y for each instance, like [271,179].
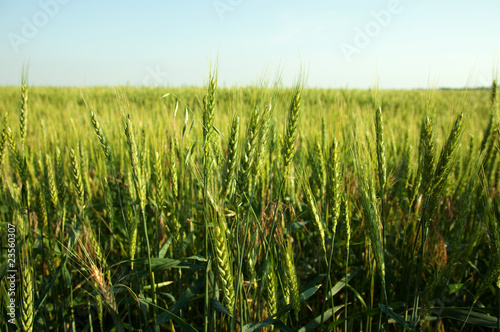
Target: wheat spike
[101,137]
[109,203]
[319,169]
[60,182]
[291,132]
[3,139]
[443,167]
[382,167]
[262,139]
[248,157]
[317,220]
[15,151]
[136,166]
[335,182]
[23,118]
[208,123]
[291,277]
[158,172]
[223,260]
[77,177]
[50,182]
[27,290]
[84,169]
[232,156]
[172,162]
[426,155]
[271,286]
[42,209]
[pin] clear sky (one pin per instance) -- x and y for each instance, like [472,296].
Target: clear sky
[339,44]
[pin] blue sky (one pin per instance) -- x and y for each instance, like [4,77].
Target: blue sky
[339,44]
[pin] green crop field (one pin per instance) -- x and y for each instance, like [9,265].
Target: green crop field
[239,209]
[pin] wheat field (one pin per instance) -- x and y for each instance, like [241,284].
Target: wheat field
[239,209]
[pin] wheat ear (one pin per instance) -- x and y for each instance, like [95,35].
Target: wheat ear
[139,185]
[102,139]
[27,290]
[443,167]
[50,182]
[208,123]
[312,206]
[232,156]
[245,180]
[271,286]
[335,182]
[77,177]
[23,117]
[291,277]
[382,167]
[172,162]
[262,139]
[319,169]
[291,132]
[426,155]
[3,139]
[158,172]
[223,260]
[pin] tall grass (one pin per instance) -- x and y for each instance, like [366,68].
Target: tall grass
[255,208]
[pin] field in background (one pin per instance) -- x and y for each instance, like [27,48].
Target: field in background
[247,208]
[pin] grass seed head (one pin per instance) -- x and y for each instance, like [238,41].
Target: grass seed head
[291,132]
[382,167]
[317,220]
[102,139]
[232,158]
[426,155]
[135,164]
[223,261]
[334,183]
[77,177]
[291,277]
[27,290]
[23,116]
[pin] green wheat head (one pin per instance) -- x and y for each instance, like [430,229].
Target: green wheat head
[232,157]
[291,132]
[134,162]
